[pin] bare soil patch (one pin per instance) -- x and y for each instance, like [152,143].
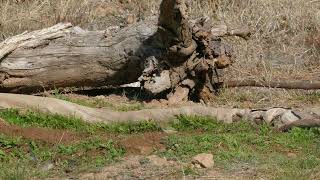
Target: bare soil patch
[143,144]
[137,144]
[40,134]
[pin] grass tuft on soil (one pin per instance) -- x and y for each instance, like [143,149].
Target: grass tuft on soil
[22,158]
[54,121]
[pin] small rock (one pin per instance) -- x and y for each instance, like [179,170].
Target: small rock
[204,160]
[131,18]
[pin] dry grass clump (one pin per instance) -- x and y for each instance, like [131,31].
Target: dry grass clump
[19,16]
[261,97]
[278,47]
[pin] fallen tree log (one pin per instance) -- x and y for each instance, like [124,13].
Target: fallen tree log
[281,118]
[304,123]
[172,54]
[175,55]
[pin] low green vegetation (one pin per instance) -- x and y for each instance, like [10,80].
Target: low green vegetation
[293,155]
[238,146]
[36,119]
[21,158]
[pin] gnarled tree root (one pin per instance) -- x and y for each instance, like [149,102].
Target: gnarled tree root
[284,119]
[101,115]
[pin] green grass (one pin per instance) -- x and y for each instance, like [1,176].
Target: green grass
[36,119]
[237,146]
[20,158]
[234,146]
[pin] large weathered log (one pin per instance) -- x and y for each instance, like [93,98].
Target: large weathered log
[175,54]
[66,56]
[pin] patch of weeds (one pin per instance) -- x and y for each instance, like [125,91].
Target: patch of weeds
[132,127]
[239,145]
[227,148]
[31,118]
[59,95]
[36,119]
[191,123]
[20,156]
[302,167]
[299,139]
[14,171]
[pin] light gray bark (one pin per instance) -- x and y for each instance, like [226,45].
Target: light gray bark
[66,56]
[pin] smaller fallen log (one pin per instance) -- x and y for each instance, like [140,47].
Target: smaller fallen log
[281,118]
[305,85]
[303,123]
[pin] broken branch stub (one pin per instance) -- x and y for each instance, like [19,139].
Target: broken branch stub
[192,53]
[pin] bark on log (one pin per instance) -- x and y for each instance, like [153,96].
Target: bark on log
[65,56]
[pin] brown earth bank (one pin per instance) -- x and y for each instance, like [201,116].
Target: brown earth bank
[136,144]
[40,134]
[143,144]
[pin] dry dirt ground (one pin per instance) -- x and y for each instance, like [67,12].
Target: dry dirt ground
[153,167]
